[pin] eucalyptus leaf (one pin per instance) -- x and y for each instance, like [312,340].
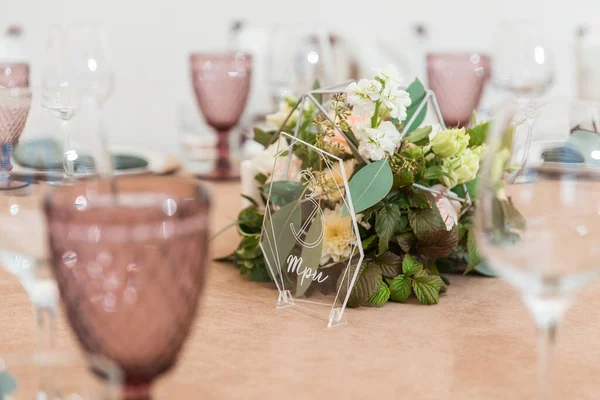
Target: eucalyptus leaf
[278,240]
[311,256]
[381,297]
[284,192]
[400,288]
[370,185]
[427,288]
[485,270]
[417,93]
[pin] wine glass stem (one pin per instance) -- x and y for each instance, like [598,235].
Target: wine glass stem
[69,154]
[223,162]
[546,347]
[46,326]
[5,164]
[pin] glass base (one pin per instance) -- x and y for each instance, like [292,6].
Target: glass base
[137,391]
[12,185]
[230,172]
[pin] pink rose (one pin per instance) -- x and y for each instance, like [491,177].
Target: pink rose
[449,209]
[293,173]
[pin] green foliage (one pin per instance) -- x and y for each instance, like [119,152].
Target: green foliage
[385,225]
[406,241]
[370,185]
[367,285]
[437,244]
[410,266]
[427,288]
[420,136]
[277,239]
[417,93]
[474,259]
[263,137]
[425,220]
[390,264]
[250,221]
[478,134]
[400,288]
[381,297]
[284,192]
[311,256]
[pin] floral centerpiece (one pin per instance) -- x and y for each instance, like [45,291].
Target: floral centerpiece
[411,186]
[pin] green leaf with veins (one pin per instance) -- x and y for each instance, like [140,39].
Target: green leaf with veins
[410,266]
[427,287]
[400,288]
[424,221]
[385,224]
[390,264]
[381,297]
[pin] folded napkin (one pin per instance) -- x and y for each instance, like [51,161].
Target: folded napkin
[47,155]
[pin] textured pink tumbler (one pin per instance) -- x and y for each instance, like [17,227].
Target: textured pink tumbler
[457,79]
[221,85]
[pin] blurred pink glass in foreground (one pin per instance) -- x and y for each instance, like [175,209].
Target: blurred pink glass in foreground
[457,79]
[14,75]
[221,85]
[130,268]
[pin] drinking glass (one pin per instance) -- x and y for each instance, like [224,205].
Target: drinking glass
[221,85]
[77,71]
[537,219]
[14,109]
[457,79]
[53,375]
[129,258]
[299,55]
[523,61]
[14,75]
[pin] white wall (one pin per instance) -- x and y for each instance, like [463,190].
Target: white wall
[150,40]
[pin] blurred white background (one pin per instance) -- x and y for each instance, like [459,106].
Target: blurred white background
[150,41]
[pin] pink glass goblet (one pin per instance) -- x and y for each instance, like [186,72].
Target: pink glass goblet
[221,85]
[14,109]
[457,79]
[129,256]
[14,75]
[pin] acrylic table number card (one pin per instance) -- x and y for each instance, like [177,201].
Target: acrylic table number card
[310,237]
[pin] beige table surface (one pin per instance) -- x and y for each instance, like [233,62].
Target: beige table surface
[478,343]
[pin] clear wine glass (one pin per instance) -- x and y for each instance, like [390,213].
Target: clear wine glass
[538,222]
[221,84]
[54,375]
[77,71]
[14,110]
[299,55]
[129,256]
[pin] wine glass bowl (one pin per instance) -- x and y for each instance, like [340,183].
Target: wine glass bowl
[523,59]
[221,84]
[129,258]
[14,75]
[14,110]
[537,219]
[458,80]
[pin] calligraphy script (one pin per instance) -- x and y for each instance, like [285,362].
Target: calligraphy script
[295,266]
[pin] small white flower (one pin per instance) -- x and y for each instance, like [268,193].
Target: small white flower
[389,74]
[377,143]
[396,100]
[363,95]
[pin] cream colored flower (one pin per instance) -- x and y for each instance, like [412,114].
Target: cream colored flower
[277,118]
[293,169]
[338,238]
[330,181]
[264,160]
[450,142]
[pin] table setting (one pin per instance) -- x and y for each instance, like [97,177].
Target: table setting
[408,222]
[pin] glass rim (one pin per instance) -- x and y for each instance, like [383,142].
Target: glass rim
[226,55]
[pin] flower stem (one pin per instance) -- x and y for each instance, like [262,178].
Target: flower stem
[374,119]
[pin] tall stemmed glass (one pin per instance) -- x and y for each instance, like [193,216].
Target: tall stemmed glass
[538,224]
[523,64]
[14,109]
[221,85]
[130,267]
[77,72]
[14,74]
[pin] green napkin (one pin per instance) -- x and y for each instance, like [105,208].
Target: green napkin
[47,155]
